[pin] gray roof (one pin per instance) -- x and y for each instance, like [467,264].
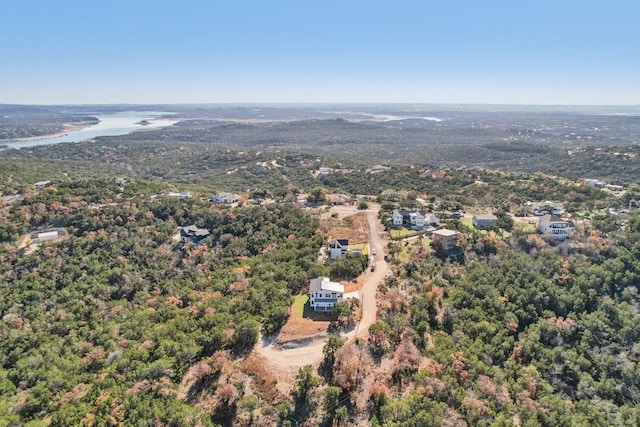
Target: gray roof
[194,231]
[552,218]
[486,217]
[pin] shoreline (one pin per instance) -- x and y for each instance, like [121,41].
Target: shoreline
[67,128]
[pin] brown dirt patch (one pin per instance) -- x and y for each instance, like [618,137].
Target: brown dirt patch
[353,227]
[297,329]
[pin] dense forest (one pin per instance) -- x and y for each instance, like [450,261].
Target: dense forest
[118,310]
[520,334]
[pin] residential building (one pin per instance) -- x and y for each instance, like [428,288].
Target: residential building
[593,183]
[180,195]
[416,219]
[552,225]
[324,170]
[338,199]
[41,185]
[397,218]
[47,236]
[541,208]
[431,219]
[445,239]
[484,221]
[324,294]
[614,187]
[193,234]
[338,248]
[413,219]
[227,198]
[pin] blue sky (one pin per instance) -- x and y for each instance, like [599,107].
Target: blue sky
[495,52]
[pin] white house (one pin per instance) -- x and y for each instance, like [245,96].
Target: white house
[324,170]
[227,198]
[555,226]
[41,185]
[541,208]
[417,220]
[338,248]
[180,195]
[397,217]
[431,219]
[484,221]
[414,219]
[45,236]
[324,294]
[593,183]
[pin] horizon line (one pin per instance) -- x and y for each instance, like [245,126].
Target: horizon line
[314,103]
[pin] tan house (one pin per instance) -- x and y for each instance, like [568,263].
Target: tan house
[445,239]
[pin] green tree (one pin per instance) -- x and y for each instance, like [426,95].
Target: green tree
[333,343]
[250,404]
[246,335]
[332,401]
[306,380]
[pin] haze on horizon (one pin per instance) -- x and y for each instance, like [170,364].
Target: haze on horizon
[493,52]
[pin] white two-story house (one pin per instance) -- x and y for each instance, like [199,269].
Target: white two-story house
[552,225]
[413,219]
[324,294]
[338,248]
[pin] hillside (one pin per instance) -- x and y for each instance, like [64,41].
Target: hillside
[112,314]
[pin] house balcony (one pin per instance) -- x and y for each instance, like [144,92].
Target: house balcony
[326,300]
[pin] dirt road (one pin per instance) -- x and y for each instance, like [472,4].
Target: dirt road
[286,362]
[372,279]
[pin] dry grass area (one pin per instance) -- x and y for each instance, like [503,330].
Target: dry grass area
[297,329]
[355,284]
[353,227]
[264,382]
[213,384]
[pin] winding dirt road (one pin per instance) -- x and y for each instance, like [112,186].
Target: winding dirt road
[286,362]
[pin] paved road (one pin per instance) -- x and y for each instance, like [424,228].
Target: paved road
[286,362]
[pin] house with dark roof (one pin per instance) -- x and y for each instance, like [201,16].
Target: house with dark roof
[338,248]
[193,234]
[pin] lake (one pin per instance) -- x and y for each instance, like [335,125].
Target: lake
[110,125]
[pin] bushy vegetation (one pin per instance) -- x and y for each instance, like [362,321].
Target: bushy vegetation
[104,323]
[536,335]
[118,322]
